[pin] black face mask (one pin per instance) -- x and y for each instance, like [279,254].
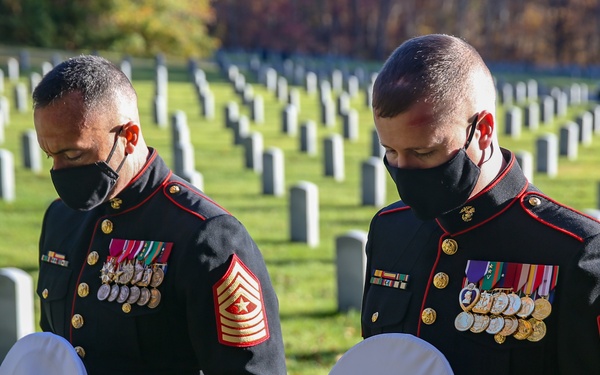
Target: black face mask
[435,191]
[85,187]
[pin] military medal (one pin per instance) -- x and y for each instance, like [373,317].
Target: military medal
[542,307]
[158,276]
[496,325]
[144,296]
[484,305]
[524,330]
[154,298]
[138,273]
[134,294]
[514,304]
[464,321]
[539,330]
[123,294]
[499,304]
[480,323]
[468,297]
[114,293]
[510,326]
[103,292]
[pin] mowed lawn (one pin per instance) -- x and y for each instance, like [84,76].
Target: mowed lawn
[315,333]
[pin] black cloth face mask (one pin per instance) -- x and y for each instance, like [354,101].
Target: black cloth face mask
[85,187]
[432,192]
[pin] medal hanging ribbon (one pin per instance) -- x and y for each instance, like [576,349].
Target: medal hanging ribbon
[522,276]
[475,270]
[116,247]
[165,251]
[139,246]
[128,248]
[508,279]
[492,275]
[544,288]
[536,274]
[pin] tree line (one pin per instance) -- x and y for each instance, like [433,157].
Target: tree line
[541,32]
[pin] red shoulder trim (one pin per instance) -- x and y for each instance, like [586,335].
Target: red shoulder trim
[396,209]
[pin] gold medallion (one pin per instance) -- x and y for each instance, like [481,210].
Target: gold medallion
[527,307]
[484,305]
[480,323]
[514,304]
[499,338]
[449,246]
[146,277]
[77,321]
[500,303]
[542,308]
[103,292]
[441,280]
[144,297]
[106,226]
[83,290]
[126,308]
[114,293]
[510,326]
[524,330]
[158,276]
[123,294]
[138,273]
[428,316]
[154,298]
[92,258]
[134,294]
[539,330]
[496,324]
[464,321]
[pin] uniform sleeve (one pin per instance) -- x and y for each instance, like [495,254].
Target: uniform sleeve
[232,309]
[579,313]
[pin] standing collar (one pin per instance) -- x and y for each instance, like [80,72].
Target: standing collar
[152,175]
[488,203]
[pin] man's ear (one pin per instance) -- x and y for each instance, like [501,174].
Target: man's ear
[486,126]
[131,133]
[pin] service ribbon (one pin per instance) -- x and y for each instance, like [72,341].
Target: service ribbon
[522,276]
[492,275]
[475,270]
[116,247]
[544,288]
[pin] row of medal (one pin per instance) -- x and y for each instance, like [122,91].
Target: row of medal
[500,303]
[130,274]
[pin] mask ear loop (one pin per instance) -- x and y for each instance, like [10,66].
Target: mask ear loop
[114,147]
[472,131]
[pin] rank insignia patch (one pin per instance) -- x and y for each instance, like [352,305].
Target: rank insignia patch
[239,308]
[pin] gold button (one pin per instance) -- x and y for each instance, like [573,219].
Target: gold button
[440,280]
[45,293]
[126,308]
[116,203]
[77,321]
[80,351]
[174,189]
[83,290]
[449,246]
[93,258]
[374,316]
[107,226]
[535,201]
[428,315]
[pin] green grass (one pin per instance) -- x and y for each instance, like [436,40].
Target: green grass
[315,334]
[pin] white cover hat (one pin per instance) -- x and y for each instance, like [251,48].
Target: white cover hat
[392,353]
[42,353]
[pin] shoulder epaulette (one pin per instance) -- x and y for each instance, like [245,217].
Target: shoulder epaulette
[394,207]
[192,200]
[559,217]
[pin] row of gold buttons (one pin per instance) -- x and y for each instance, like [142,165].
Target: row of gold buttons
[440,280]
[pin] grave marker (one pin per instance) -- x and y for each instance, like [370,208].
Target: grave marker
[7,176]
[373,182]
[273,175]
[16,307]
[350,267]
[304,213]
[547,154]
[334,157]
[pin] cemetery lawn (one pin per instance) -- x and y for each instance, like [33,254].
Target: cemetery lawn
[315,333]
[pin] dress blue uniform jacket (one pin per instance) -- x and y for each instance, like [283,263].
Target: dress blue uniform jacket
[509,221]
[184,333]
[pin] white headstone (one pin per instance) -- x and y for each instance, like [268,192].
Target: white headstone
[350,266]
[16,307]
[304,213]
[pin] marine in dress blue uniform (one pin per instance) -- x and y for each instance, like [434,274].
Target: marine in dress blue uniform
[474,259]
[155,279]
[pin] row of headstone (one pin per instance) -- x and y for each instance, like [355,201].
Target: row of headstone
[16,307]
[183,151]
